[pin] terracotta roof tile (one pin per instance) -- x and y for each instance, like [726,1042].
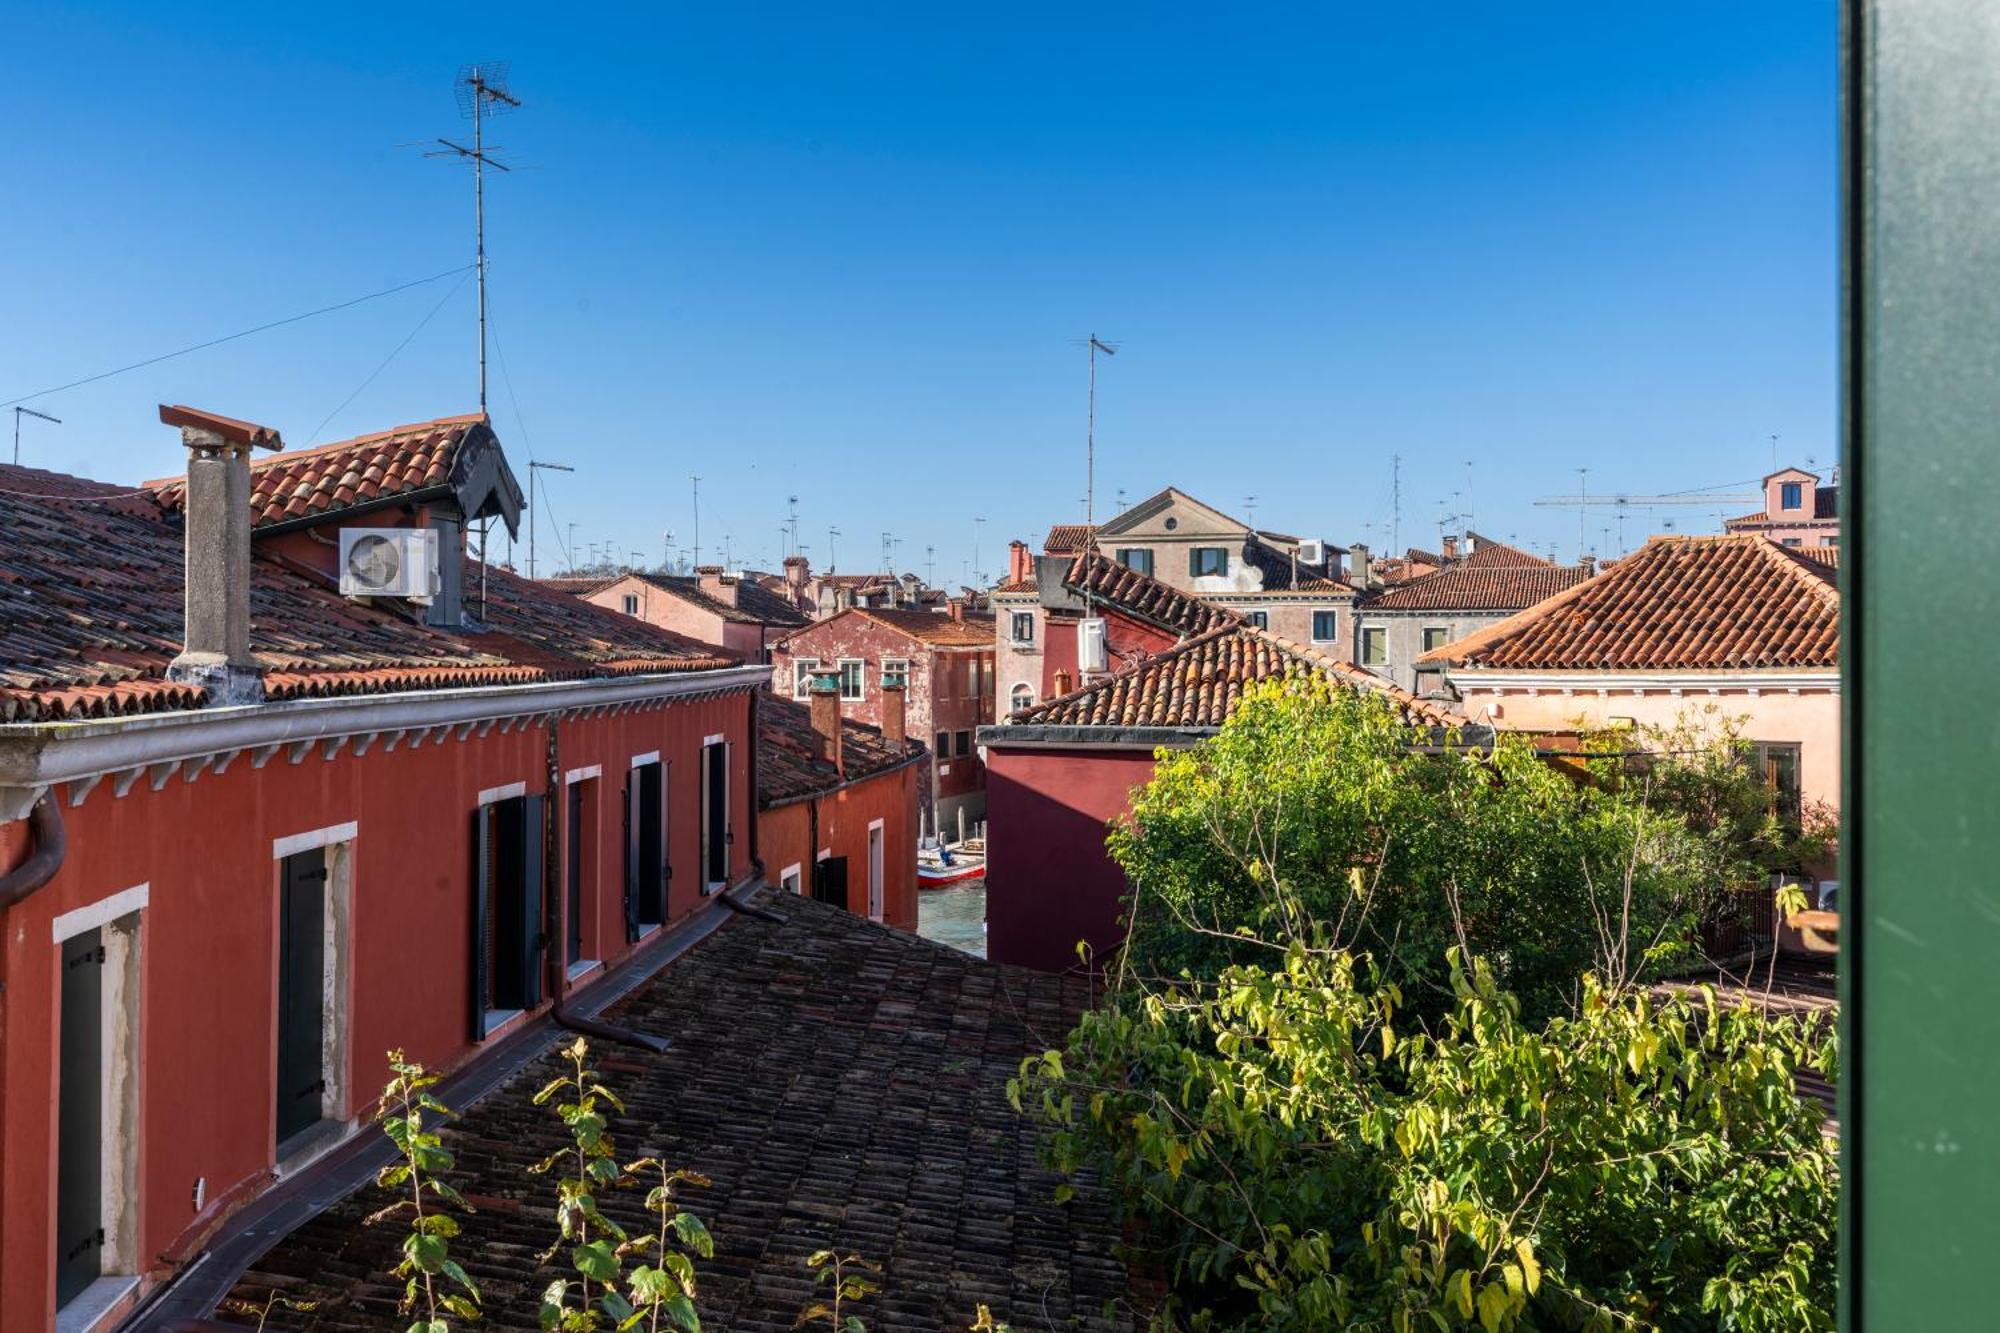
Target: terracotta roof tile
[384,465]
[789,767]
[1143,597]
[1067,538]
[1198,683]
[1462,588]
[1677,603]
[1489,554]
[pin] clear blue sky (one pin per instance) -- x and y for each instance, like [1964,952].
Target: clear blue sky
[849,256]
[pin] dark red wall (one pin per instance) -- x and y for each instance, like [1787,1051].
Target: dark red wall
[208,945]
[1049,880]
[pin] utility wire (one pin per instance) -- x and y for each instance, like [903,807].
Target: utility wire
[232,337]
[313,439]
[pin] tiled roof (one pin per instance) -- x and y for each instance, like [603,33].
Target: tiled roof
[1143,597]
[1018,585]
[390,463]
[789,766]
[1197,684]
[1677,603]
[1066,539]
[1459,588]
[1489,554]
[841,1085]
[934,627]
[1417,556]
[91,604]
[755,603]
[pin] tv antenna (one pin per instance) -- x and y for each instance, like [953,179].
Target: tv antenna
[1396,505]
[482,92]
[533,468]
[792,523]
[831,533]
[695,483]
[1096,345]
[20,412]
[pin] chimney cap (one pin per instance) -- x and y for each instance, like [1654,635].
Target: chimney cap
[229,428]
[825,682]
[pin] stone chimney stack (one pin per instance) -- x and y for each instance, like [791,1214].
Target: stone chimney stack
[894,715]
[1019,567]
[1062,682]
[825,696]
[798,570]
[215,513]
[1361,566]
[956,606]
[1451,547]
[717,584]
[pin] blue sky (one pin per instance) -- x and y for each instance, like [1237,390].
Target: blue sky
[851,255]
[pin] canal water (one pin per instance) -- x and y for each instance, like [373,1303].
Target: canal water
[955,916]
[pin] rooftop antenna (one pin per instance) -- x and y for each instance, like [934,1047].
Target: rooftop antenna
[570,550]
[975,550]
[930,566]
[1583,494]
[793,523]
[1396,505]
[1471,501]
[695,482]
[482,92]
[1774,453]
[20,412]
[1250,511]
[534,480]
[1090,464]
[831,533]
[667,551]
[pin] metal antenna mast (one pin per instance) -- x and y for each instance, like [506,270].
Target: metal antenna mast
[1396,506]
[533,468]
[1090,464]
[482,92]
[20,412]
[1583,491]
[695,482]
[831,533]
[792,523]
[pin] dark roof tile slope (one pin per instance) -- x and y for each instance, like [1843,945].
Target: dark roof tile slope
[1144,597]
[789,766]
[1463,588]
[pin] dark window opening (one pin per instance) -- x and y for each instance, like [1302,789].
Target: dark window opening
[1326,626]
[1138,559]
[1205,561]
[573,872]
[646,867]
[1261,619]
[1024,627]
[715,809]
[506,908]
[301,986]
[964,741]
[80,1118]
[1435,636]
[1791,495]
[830,881]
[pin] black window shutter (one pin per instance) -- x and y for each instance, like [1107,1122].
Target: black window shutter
[482,854]
[533,873]
[1194,561]
[830,881]
[632,822]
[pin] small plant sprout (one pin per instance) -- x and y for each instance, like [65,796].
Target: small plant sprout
[850,1279]
[663,1290]
[986,1323]
[274,1301]
[592,1237]
[401,1112]
[1791,900]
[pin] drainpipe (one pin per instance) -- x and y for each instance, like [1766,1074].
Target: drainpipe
[756,854]
[555,911]
[49,842]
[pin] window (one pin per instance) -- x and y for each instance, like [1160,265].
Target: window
[790,881]
[1023,623]
[1261,619]
[802,674]
[631,603]
[964,744]
[1326,626]
[850,678]
[1207,561]
[1779,764]
[943,747]
[1374,646]
[506,909]
[1436,636]
[645,827]
[896,669]
[1792,542]
[1172,523]
[1791,495]
[1021,696]
[1138,559]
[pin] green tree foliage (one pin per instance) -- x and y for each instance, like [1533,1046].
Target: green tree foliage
[1305,1163]
[427,1264]
[1318,804]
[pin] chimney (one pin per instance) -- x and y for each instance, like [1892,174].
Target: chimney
[215,651]
[1018,566]
[825,697]
[1062,682]
[956,605]
[893,719]
[1361,566]
[797,571]
[716,584]
[1451,548]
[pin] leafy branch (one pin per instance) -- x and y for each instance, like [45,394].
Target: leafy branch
[401,1111]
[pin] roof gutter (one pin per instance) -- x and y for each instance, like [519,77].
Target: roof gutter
[36,756]
[1024,736]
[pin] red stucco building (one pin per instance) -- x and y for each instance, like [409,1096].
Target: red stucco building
[735,613]
[946,658]
[239,863]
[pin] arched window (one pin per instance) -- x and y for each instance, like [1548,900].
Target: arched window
[1021,696]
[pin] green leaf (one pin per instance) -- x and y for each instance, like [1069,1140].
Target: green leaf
[428,1253]
[451,1270]
[693,1234]
[596,1261]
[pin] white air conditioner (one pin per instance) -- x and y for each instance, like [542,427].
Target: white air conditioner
[389,562]
[1090,644]
[1312,553]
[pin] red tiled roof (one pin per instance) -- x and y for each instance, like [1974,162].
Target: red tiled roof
[1018,585]
[1677,603]
[1067,538]
[1457,588]
[934,627]
[755,603]
[91,604]
[1489,554]
[384,465]
[789,766]
[1143,597]
[1197,684]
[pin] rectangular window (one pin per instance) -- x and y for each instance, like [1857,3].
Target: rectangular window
[850,678]
[789,880]
[1208,561]
[716,831]
[964,743]
[943,748]
[631,604]
[1436,636]
[1261,619]
[1374,646]
[1326,626]
[646,868]
[802,674]
[506,909]
[1138,559]
[1791,495]
[1792,542]
[1778,762]
[1023,626]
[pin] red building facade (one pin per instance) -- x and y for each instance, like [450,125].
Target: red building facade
[406,834]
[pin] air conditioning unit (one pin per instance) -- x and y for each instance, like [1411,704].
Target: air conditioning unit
[389,562]
[1090,644]
[1312,552]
